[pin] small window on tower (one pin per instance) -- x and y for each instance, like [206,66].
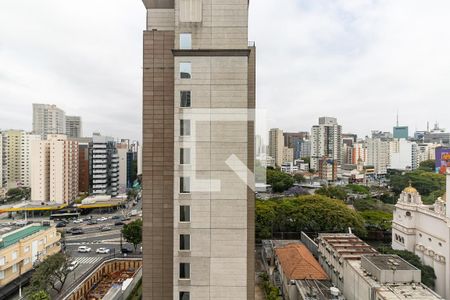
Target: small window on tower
[185,41]
[185,70]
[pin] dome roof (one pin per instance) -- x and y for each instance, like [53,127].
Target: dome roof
[410,189]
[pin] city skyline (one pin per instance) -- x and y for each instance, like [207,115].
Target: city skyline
[344,56]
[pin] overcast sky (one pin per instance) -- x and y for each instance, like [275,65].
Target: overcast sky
[357,60]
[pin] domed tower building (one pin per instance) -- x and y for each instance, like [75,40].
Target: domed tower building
[425,230]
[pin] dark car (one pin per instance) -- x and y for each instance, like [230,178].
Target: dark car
[76,231]
[116,217]
[92,222]
[60,224]
[118,223]
[126,250]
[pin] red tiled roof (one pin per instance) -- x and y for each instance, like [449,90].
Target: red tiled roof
[299,264]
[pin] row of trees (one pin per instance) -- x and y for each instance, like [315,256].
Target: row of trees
[313,213]
[18,194]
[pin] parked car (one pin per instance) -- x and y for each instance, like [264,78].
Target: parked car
[105,228]
[103,250]
[102,219]
[115,217]
[73,265]
[84,249]
[118,223]
[92,222]
[60,224]
[78,221]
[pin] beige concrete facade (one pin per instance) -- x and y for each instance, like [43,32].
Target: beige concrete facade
[19,257]
[216,126]
[54,170]
[276,145]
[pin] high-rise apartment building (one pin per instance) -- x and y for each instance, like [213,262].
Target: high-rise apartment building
[326,141]
[16,158]
[48,119]
[276,145]
[198,209]
[73,127]
[403,155]
[295,141]
[103,166]
[378,155]
[54,170]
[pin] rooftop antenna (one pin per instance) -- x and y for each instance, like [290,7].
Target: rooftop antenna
[397,117]
[428,126]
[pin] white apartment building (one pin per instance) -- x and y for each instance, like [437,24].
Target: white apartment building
[122,151]
[54,170]
[403,155]
[361,273]
[73,127]
[378,155]
[48,119]
[276,145]
[425,231]
[288,155]
[326,141]
[15,158]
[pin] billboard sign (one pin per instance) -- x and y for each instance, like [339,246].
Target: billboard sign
[442,159]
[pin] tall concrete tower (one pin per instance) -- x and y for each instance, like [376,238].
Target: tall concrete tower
[198,151]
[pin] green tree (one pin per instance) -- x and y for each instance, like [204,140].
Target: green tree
[424,182]
[51,273]
[428,165]
[335,192]
[313,213]
[132,194]
[378,220]
[357,189]
[299,178]
[428,275]
[40,295]
[132,233]
[369,204]
[279,181]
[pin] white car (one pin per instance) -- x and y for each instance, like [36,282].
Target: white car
[84,249]
[78,221]
[103,250]
[73,265]
[102,219]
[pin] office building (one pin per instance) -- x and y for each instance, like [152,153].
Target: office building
[48,119]
[295,140]
[16,155]
[73,127]
[400,132]
[382,135]
[198,209]
[103,166]
[326,141]
[276,145]
[425,230]
[21,249]
[54,170]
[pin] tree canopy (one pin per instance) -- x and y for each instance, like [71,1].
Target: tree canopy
[425,182]
[428,165]
[312,213]
[335,192]
[51,273]
[40,295]
[132,232]
[279,181]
